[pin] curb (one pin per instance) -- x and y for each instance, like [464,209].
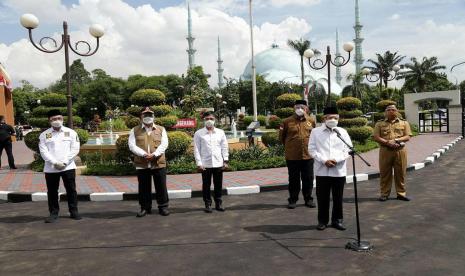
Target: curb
[15,197]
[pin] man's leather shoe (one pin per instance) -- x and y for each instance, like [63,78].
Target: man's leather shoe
[13,168]
[321,227]
[219,207]
[208,208]
[383,198]
[142,213]
[51,219]
[164,212]
[75,216]
[149,211]
[338,226]
[310,204]
[291,205]
[404,198]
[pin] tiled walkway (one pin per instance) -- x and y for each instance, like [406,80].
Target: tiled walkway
[24,180]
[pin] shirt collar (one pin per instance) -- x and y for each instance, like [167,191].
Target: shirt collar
[53,130]
[393,121]
[153,127]
[213,131]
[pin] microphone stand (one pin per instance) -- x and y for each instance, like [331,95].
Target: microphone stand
[357,245]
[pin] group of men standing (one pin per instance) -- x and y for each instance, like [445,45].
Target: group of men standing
[322,152]
[310,151]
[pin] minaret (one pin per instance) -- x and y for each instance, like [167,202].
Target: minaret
[358,40]
[190,39]
[338,61]
[220,68]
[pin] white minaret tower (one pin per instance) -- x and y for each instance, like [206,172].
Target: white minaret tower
[220,68]
[190,39]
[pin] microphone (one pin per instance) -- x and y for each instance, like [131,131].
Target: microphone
[337,131]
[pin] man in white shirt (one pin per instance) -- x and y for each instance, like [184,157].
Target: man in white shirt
[330,155]
[148,143]
[211,156]
[58,147]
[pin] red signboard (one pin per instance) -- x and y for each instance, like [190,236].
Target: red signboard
[185,123]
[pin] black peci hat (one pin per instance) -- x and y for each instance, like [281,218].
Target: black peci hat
[53,112]
[303,102]
[330,110]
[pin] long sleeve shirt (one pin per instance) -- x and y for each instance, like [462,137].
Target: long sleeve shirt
[210,148]
[60,146]
[140,151]
[324,145]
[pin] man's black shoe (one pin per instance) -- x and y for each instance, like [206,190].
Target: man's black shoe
[291,205]
[149,211]
[208,208]
[404,198]
[142,213]
[219,207]
[164,212]
[51,219]
[383,198]
[75,216]
[310,204]
[338,226]
[13,168]
[321,227]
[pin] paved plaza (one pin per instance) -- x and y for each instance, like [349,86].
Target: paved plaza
[24,180]
[256,235]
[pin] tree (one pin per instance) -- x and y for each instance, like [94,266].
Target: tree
[356,89]
[301,45]
[384,64]
[24,100]
[420,74]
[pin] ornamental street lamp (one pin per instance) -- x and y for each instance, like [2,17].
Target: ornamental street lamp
[254,79]
[30,21]
[382,75]
[319,64]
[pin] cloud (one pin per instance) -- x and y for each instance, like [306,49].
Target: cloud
[142,40]
[395,16]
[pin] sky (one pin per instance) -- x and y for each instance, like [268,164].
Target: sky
[148,37]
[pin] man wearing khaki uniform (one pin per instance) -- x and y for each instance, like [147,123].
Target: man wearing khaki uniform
[294,133]
[392,133]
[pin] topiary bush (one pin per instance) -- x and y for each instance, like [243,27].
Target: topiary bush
[41,111]
[348,103]
[270,139]
[162,110]
[39,122]
[360,134]
[179,142]
[287,100]
[274,122]
[284,112]
[53,99]
[32,140]
[83,135]
[352,122]
[134,111]
[381,105]
[249,119]
[350,114]
[147,97]
[167,121]
[123,154]
[132,121]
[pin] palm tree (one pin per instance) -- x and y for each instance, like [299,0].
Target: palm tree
[384,64]
[356,88]
[300,45]
[422,73]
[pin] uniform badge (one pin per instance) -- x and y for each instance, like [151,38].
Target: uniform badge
[309,124]
[67,134]
[48,136]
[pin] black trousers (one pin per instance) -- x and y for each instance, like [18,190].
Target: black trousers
[8,146]
[145,188]
[300,170]
[325,185]
[217,174]
[53,183]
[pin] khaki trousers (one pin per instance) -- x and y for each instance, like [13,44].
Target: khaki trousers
[390,160]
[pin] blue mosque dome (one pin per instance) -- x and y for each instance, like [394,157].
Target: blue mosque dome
[277,64]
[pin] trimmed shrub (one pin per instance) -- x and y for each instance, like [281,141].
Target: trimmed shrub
[83,135]
[123,154]
[378,116]
[287,100]
[249,119]
[284,112]
[132,121]
[77,121]
[353,122]
[162,110]
[270,139]
[39,122]
[53,99]
[350,114]
[147,97]
[41,111]
[348,103]
[32,140]
[167,121]
[134,111]
[274,122]
[381,105]
[360,134]
[179,142]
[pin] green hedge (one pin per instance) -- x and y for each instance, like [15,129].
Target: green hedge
[110,169]
[123,154]
[134,111]
[132,121]
[287,100]
[260,118]
[274,122]
[360,134]
[350,114]
[270,139]
[32,140]
[162,110]
[167,121]
[284,112]
[41,111]
[147,97]
[381,105]
[348,103]
[44,123]
[179,142]
[83,135]
[353,122]
[53,99]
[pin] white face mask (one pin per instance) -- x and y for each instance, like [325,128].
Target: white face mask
[148,120]
[57,123]
[209,123]
[299,112]
[332,123]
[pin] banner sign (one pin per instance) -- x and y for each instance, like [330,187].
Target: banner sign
[186,123]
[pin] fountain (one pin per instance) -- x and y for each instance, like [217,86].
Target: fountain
[233,128]
[111,131]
